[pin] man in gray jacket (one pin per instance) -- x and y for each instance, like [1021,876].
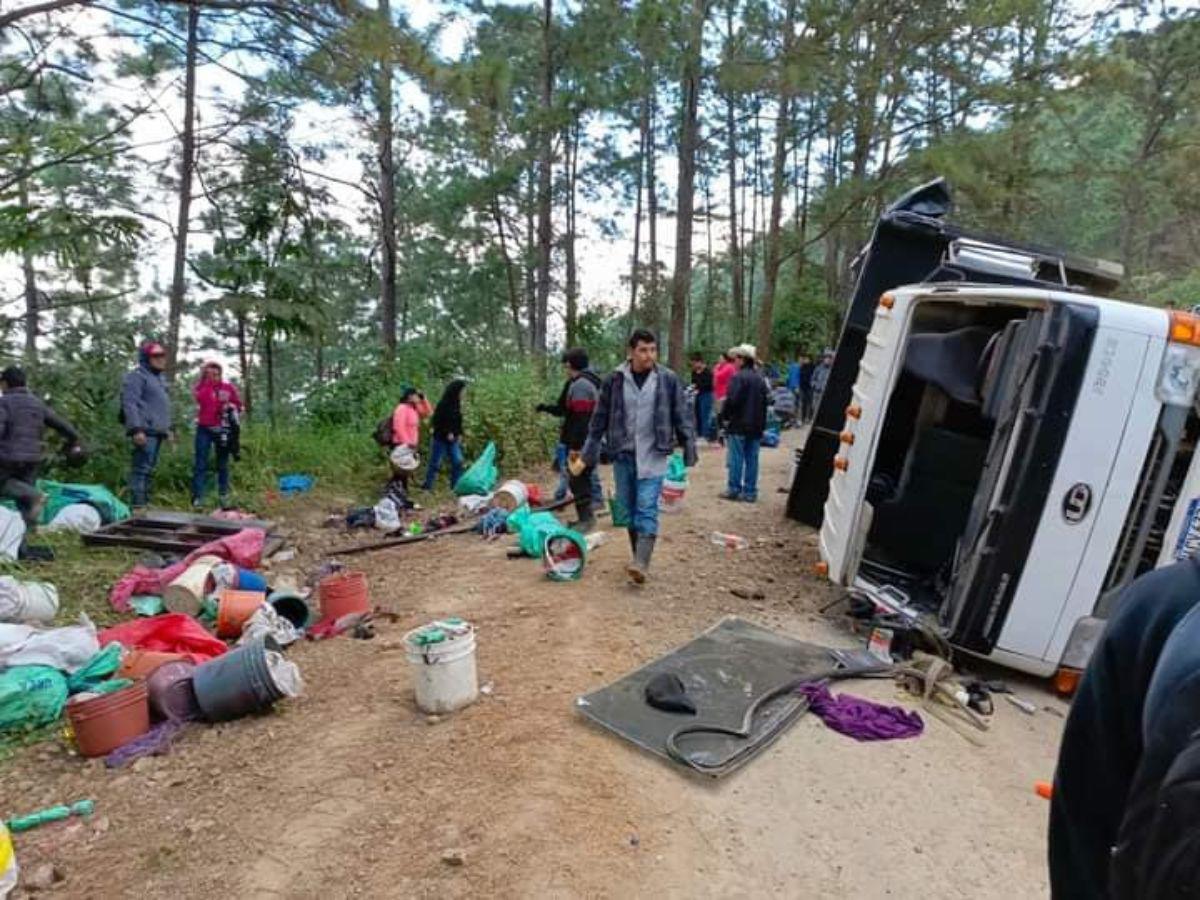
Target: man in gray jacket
[644,415]
[146,415]
[23,421]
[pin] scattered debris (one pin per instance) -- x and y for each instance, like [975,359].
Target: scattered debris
[454,857]
[43,877]
[1023,705]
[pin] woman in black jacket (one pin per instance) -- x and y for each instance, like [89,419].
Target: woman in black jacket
[447,434]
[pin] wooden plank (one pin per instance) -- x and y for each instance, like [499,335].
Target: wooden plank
[143,542]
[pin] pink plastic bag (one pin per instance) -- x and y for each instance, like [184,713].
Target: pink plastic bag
[168,633]
[242,549]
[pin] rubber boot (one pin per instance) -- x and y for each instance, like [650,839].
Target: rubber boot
[587,519]
[639,568]
[632,540]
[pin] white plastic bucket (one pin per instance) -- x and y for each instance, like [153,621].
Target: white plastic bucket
[511,495]
[185,593]
[444,675]
[671,499]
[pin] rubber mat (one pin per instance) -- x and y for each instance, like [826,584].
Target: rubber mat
[725,670]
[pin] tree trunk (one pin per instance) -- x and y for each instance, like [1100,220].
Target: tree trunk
[387,188]
[752,244]
[269,354]
[514,301]
[29,274]
[634,275]
[802,206]
[689,87]
[244,364]
[652,206]
[731,154]
[572,311]
[530,259]
[187,163]
[710,288]
[545,234]
[766,315]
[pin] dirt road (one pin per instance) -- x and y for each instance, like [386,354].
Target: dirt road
[350,791]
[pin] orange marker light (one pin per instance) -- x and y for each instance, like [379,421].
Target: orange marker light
[847,437]
[1067,680]
[853,411]
[1043,789]
[1185,328]
[887,301]
[821,568]
[841,463]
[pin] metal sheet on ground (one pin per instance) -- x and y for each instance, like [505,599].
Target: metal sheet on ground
[725,670]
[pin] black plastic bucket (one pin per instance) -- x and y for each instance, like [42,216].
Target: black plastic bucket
[291,607]
[237,683]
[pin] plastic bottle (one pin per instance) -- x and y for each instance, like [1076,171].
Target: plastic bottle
[729,541]
[8,863]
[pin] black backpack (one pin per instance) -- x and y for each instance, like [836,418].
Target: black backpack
[383,432]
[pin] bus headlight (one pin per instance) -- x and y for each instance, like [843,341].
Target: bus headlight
[1179,376]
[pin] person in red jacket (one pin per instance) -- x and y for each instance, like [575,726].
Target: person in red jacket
[218,406]
[723,373]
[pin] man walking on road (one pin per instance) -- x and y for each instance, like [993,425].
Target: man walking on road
[644,415]
[23,421]
[744,417]
[146,415]
[575,406]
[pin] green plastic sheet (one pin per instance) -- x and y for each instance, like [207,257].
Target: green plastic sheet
[482,476]
[31,696]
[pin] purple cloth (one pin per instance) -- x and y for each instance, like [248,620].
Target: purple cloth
[155,742]
[861,719]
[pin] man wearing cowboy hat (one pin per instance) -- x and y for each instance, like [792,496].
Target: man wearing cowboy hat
[744,417]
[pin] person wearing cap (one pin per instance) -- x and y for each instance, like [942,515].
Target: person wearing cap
[643,415]
[218,406]
[23,420]
[744,418]
[575,405]
[146,415]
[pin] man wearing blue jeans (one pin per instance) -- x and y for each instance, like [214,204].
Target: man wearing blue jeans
[744,417]
[1125,811]
[644,415]
[146,415]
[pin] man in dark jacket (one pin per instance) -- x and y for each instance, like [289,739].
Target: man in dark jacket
[1125,811]
[643,415]
[23,421]
[702,385]
[744,417]
[146,415]
[575,406]
[447,433]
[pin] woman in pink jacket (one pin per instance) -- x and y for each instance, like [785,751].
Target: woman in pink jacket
[218,405]
[406,432]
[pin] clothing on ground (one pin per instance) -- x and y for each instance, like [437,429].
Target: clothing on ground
[863,720]
[23,421]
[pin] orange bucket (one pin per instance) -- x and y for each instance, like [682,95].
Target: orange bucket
[234,608]
[109,721]
[140,663]
[344,593]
